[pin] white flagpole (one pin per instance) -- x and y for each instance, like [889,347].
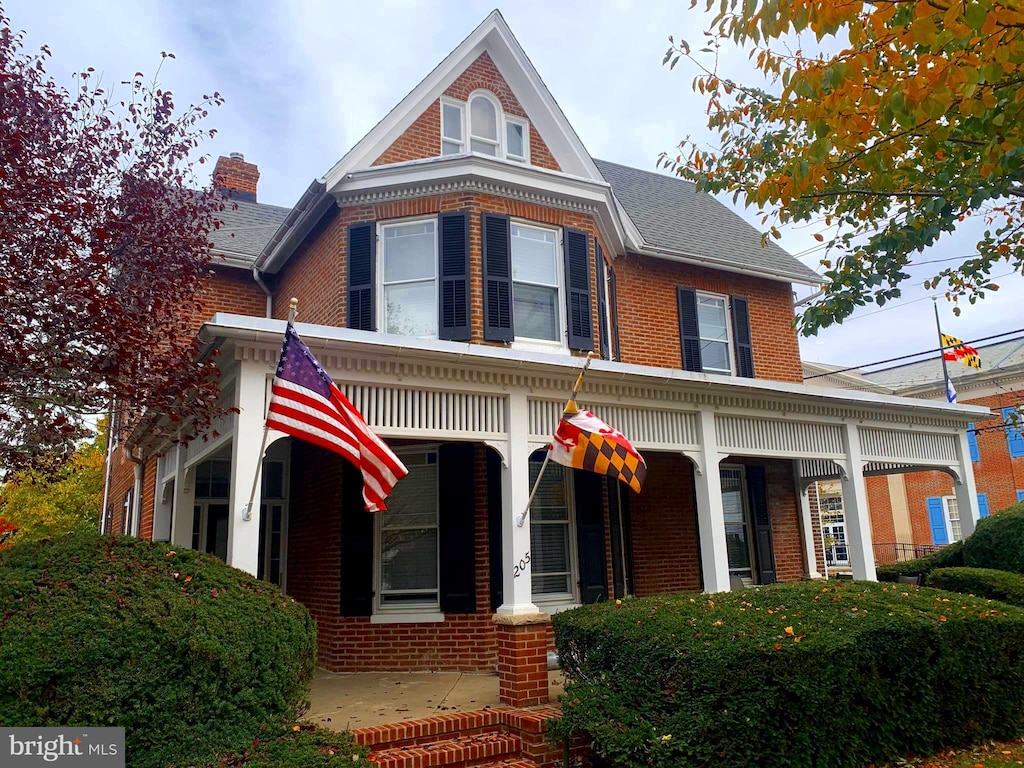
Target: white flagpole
[293,312]
[521,518]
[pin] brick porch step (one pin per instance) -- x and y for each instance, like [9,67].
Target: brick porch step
[459,752]
[428,729]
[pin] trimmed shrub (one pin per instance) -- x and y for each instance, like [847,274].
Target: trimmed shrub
[307,747]
[951,556]
[981,582]
[805,674]
[998,541]
[188,655]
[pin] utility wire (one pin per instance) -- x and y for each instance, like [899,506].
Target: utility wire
[915,354]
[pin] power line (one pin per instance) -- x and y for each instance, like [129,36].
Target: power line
[915,354]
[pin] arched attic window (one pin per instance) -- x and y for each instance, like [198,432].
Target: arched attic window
[480,125]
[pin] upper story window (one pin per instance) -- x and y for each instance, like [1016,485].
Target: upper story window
[714,332]
[408,289]
[480,125]
[536,284]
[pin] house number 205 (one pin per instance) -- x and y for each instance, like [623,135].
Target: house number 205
[521,565]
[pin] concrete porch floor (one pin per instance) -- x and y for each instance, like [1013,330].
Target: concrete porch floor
[357,700]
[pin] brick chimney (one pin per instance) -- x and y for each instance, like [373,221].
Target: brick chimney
[236,177]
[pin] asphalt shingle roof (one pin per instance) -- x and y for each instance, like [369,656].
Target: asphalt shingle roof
[671,214]
[247,228]
[1004,354]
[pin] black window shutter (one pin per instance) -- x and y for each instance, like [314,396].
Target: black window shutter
[590,537]
[356,546]
[689,330]
[497,262]
[453,247]
[757,488]
[622,550]
[613,303]
[577,290]
[494,527]
[362,253]
[741,337]
[602,302]
[456,528]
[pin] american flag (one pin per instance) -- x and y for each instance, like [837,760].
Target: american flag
[305,403]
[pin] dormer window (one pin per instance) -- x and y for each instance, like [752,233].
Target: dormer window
[484,128]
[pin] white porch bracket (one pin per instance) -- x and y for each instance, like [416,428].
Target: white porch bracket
[697,458]
[501,448]
[714,554]
[855,508]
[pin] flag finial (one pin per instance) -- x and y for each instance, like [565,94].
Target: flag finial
[293,309]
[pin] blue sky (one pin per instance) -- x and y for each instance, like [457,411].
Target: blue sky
[303,81]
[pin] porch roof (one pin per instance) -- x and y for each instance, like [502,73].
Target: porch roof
[267,332]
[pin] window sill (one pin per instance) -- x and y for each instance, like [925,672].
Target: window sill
[407,617]
[552,347]
[555,607]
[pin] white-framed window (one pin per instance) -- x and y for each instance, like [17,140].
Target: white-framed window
[127,511]
[607,319]
[553,535]
[273,546]
[407,294]
[481,125]
[406,561]
[739,533]
[453,127]
[537,306]
[715,332]
[833,530]
[952,512]
[517,139]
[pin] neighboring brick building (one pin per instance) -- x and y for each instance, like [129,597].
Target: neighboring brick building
[452,271]
[914,511]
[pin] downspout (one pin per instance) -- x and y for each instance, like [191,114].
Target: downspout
[136,512]
[110,452]
[256,275]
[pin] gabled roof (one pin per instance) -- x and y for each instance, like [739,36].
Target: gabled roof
[245,230]
[673,217]
[1003,356]
[493,36]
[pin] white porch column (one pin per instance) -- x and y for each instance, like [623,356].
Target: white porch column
[182,511]
[965,488]
[517,591]
[714,554]
[246,461]
[806,525]
[855,508]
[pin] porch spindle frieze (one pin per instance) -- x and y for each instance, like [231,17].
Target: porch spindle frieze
[645,427]
[401,411]
[889,444]
[778,438]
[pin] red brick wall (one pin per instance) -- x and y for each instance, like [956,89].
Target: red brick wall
[148,499]
[122,479]
[230,290]
[317,275]
[883,529]
[784,509]
[423,138]
[996,475]
[649,314]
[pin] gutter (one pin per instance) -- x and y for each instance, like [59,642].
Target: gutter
[684,257]
[286,234]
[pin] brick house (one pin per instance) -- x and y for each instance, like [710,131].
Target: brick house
[910,513]
[452,270]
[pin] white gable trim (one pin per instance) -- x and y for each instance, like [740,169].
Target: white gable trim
[493,36]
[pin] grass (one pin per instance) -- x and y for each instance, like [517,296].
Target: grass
[994,754]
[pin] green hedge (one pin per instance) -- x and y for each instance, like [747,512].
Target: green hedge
[981,582]
[805,674]
[188,655]
[947,557]
[998,542]
[307,747]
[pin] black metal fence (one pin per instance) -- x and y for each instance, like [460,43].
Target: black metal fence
[896,552]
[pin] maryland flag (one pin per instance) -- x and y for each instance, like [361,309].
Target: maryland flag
[583,441]
[955,350]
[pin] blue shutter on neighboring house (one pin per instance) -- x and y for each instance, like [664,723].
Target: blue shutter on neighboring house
[1014,436]
[937,520]
[982,505]
[972,442]
[1020,495]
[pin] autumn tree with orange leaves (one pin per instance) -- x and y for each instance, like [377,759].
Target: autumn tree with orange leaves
[914,126]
